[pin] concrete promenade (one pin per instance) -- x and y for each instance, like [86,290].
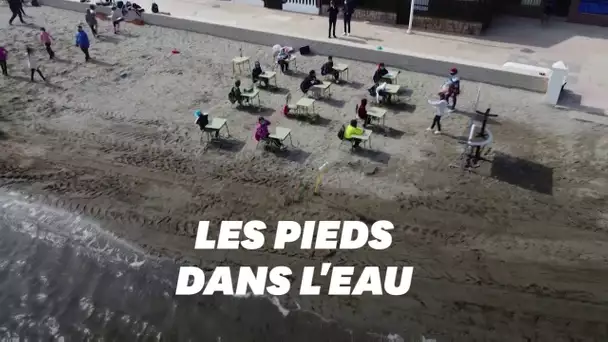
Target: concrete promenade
[582,48]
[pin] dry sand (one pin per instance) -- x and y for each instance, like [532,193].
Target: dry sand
[516,251]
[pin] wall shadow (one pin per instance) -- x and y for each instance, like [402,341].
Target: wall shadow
[572,101]
[523,173]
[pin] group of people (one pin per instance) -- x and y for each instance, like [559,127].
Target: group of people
[82,39]
[449,90]
[46,39]
[333,11]
[261,134]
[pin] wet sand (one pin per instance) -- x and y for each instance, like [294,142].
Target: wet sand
[515,251]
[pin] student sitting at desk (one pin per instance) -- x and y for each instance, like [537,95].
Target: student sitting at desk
[328,69]
[283,59]
[263,134]
[362,113]
[202,120]
[379,73]
[351,130]
[236,95]
[381,94]
[255,74]
[309,81]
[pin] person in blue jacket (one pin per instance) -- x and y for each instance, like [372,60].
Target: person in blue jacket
[82,41]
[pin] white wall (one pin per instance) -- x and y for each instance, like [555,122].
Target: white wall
[477,72]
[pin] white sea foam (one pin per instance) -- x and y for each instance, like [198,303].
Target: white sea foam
[59,228]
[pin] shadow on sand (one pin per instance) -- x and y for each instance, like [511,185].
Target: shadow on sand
[572,101]
[256,110]
[373,155]
[227,144]
[313,119]
[38,81]
[293,154]
[522,173]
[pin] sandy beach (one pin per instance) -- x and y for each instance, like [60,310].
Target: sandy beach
[515,251]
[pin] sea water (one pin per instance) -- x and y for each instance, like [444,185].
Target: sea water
[63,278]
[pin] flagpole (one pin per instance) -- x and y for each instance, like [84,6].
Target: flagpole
[409,26]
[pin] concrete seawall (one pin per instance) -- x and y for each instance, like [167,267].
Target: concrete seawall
[477,72]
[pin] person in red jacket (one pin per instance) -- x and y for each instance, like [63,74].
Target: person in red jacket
[362,113]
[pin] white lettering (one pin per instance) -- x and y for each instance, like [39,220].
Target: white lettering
[383,239]
[369,281]
[201,237]
[340,280]
[229,235]
[220,281]
[255,238]
[287,231]
[327,235]
[278,276]
[187,273]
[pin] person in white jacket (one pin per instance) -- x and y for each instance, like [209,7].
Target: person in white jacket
[116,18]
[32,64]
[441,107]
[381,94]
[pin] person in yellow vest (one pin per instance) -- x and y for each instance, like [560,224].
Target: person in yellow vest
[351,130]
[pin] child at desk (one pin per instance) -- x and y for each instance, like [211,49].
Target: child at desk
[256,73]
[328,69]
[202,120]
[309,81]
[236,95]
[351,130]
[263,134]
[362,113]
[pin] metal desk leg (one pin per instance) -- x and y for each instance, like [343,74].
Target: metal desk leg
[227,130]
[290,141]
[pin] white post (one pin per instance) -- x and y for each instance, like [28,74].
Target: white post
[477,99]
[409,25]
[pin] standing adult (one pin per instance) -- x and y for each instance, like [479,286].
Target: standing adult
[22,10]
[82,41]
[16,8]
[349,9]
[3,57]
[91,19]
[333,19]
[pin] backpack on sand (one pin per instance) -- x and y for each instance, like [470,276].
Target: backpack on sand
[232,96]
[341,132]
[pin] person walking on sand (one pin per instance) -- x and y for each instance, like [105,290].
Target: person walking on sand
[16,8]
[47,39]
[91,19]
[116,18]
[440,108]
[3,57]
[82,41]
[32,64]
[333,19]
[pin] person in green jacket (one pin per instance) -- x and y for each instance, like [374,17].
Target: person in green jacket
[351,130]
